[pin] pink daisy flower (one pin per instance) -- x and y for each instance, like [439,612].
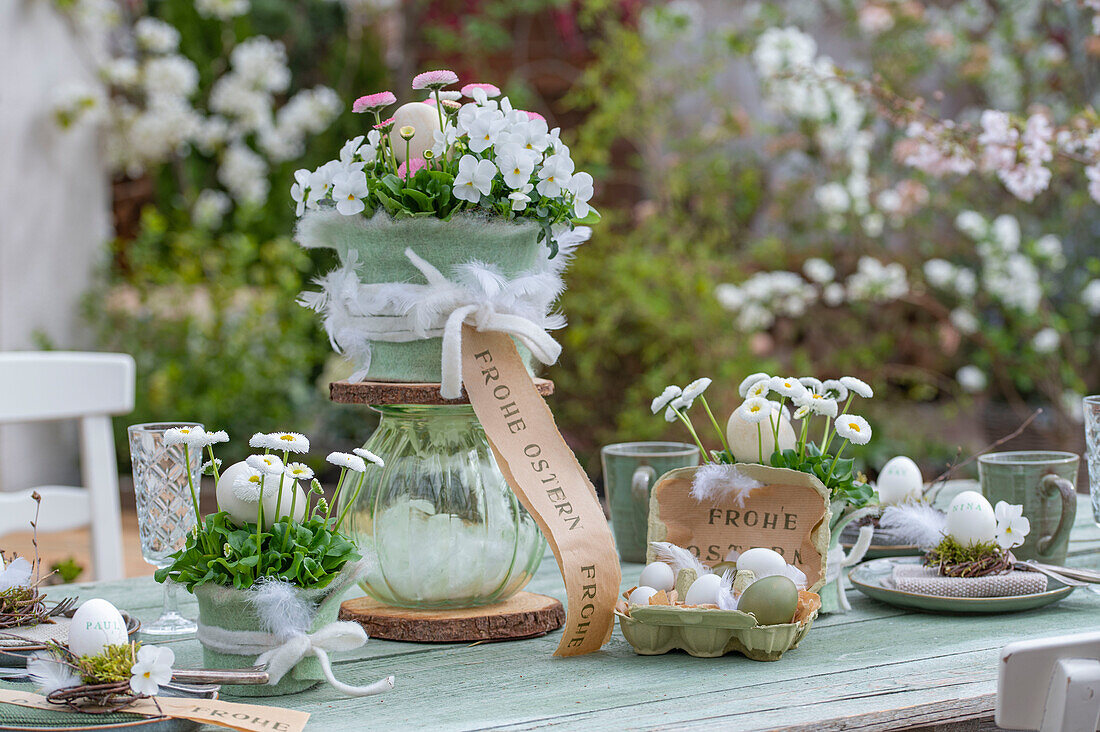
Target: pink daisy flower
[372,102]
[490,90]
[434,79]
[385,125]
[408,169]
[534,115]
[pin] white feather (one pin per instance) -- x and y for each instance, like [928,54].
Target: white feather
[678,558]
[715,482]
[282,609]
[49,673]
[913,523]
[726,600]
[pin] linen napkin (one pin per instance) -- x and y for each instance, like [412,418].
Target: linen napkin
[928,581]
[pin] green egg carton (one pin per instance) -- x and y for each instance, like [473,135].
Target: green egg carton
[708,632]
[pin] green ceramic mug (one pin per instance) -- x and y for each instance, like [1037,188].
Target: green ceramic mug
[629,471]
[1043,483]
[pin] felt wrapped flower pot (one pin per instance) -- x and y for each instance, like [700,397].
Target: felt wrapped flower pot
[396,303]
[287,630]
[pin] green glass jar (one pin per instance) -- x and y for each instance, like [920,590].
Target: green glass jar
[439,522]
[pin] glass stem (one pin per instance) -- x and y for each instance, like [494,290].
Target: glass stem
[171,603]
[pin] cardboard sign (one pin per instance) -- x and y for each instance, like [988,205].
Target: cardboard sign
[243,717]
[550,483]
[788,514]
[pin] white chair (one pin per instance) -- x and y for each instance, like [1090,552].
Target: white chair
[90,387]
[1050,684]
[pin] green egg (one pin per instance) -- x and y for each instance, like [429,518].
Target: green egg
[772,600]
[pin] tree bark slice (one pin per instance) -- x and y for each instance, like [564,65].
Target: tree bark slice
[390,392]
[524,615]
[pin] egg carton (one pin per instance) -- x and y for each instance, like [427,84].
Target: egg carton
[709,632]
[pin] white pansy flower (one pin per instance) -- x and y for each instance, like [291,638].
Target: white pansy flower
[750,380]
[474,179]
[300,190]
[853,428]
[754,410]
[152,670]
[519,200]
[665,398]
[444,140]
[857,386]
[1046,340]
[347,460]
[266,464]
[484,129]
[971,378]
[516,165]
[1012,526]
[554,175]
[580,185]
[348,190]
[369,456]
[351,149]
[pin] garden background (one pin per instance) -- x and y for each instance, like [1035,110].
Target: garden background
[754,218]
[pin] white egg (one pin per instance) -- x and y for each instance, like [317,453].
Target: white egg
[96,624]
[290,490]
[745,443]
[970,519]
[899,481]
[424,118]
[658,575]
[703,591]
[641,595]
[761,562]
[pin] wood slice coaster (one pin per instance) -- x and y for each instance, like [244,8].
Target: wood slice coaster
[390,392]
[523,615]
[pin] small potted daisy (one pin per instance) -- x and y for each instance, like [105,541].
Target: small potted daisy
[802,424]
[455,208]
[269,567]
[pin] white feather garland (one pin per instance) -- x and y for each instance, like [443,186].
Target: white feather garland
[914,523]
[678,558]
[714,482]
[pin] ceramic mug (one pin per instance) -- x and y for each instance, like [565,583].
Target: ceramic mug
[630,470]
[1043,483]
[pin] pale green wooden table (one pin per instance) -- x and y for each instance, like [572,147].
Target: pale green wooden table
[877,667]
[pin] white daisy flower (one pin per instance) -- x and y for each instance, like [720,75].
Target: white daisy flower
[266,464]
[693,390]
[787,386]
[853,428]
[347,460]
[760,389]
[816,404]
[802,412]
[833,387]
[190,436]
[247,486]
[292,441]
[208,467]
[749,380]
[670,414]
[262,441]
[299,471]
[213,438]
[666,397]
[369,456]
[811,383]
[860,388]
[754,409]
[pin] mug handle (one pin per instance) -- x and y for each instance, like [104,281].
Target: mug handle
[1048,486]
[641,482]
